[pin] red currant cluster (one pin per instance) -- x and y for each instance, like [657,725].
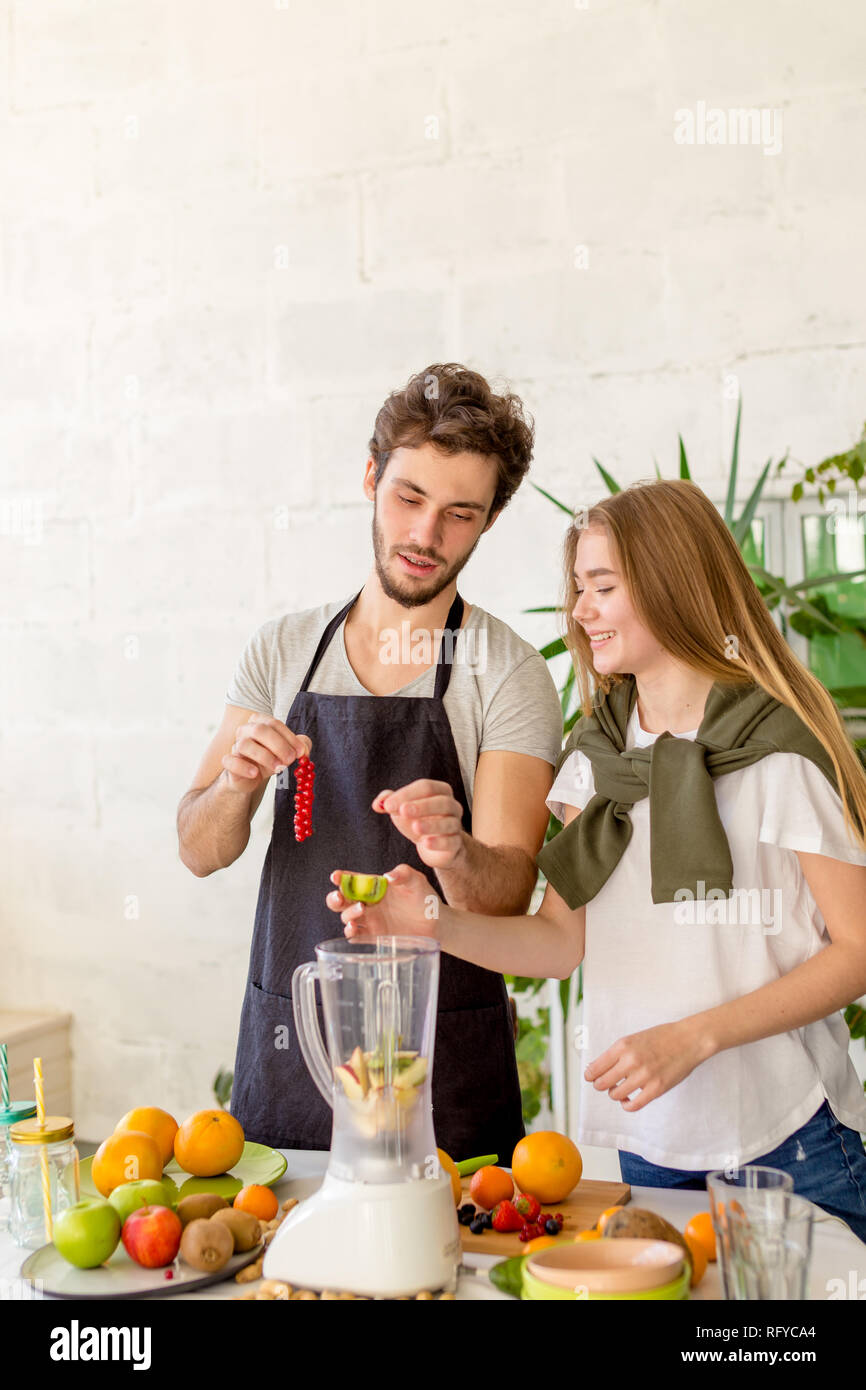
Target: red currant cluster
[305,776]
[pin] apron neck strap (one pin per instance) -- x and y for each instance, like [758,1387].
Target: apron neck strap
[443,668]
[449,639]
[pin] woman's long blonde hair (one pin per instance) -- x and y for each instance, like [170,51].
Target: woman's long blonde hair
[691,588]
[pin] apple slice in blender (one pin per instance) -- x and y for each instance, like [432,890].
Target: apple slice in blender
[412,1076]
[351,1083]
[358,1064]
[363,888]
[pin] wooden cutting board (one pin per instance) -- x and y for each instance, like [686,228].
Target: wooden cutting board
[581,1210]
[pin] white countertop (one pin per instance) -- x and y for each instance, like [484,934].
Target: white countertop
[836,1252]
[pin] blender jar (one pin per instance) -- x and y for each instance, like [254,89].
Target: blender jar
[379,1004]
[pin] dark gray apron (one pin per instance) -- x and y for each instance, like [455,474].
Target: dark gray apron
[360,745]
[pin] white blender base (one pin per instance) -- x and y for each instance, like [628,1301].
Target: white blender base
[370,1238]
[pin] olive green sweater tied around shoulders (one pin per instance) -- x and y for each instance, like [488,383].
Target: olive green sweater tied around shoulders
[689,850]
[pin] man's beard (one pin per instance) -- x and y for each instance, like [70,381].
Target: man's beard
[417,594]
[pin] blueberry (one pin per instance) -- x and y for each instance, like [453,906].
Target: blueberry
[465,1215]
[476,1226]
[488,1220]
[551,1227]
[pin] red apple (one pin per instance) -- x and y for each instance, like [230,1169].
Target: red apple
[151,1236]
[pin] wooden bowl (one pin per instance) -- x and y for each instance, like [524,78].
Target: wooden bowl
[609,1265]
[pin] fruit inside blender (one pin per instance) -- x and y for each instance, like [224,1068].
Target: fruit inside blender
[381,1088]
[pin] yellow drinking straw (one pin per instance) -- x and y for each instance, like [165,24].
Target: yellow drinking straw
[43,1156]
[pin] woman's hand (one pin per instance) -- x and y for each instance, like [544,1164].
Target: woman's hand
[650,1062]
[409,907]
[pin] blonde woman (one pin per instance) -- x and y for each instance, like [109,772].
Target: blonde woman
[710,873]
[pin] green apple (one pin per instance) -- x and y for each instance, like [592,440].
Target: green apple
[87,1233]
[143,1192]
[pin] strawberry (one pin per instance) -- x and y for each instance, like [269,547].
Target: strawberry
[527,1206]
[507,1218]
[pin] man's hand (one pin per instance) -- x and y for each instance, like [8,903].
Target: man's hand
[262,746]
[650,1062]
[409,907]
[429,815]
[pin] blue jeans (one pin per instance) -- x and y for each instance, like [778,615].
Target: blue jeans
[832,1174]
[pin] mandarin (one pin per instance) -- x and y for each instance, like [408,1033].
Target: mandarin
[605,1217]
[125,1156]
[209,1142]
[258,1201]
[491,1185]
[700,1229]
[151,1120]
[699,1259]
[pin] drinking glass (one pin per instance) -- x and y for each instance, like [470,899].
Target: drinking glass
[763,1233]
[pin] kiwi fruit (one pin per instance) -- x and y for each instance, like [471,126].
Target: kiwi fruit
[363,888]
[245,1228]
[207,1244]
[199,1206]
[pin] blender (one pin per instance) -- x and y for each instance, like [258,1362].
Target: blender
[384,1220]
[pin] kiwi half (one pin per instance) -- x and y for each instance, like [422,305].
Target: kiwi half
[363,888]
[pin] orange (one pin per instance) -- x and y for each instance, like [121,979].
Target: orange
[700,1229]
[491,1185]
[591,1234]
[603,1219]
[151,1120]
[540,1243]
[209,1142]
[547,1165]
[125,1156]
[258,1201]
[451,1169]
[699,1260]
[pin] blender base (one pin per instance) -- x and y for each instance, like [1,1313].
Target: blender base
[385,1239]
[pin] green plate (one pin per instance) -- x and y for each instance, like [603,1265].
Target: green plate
[257,1164]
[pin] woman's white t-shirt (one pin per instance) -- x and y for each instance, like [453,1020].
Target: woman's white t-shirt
[650,963]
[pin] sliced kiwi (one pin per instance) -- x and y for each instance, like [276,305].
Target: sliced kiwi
[363,888]
[207,1244]
[245,1228]
[199,1206]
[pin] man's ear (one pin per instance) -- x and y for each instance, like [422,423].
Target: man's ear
[369,484]
[493,517]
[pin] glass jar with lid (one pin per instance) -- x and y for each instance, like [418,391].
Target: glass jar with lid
[43,1157]
[9,1115]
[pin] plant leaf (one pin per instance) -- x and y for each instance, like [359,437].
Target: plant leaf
[741,528]
[610,483]
[554,648]
[684,463]
[554,500]
[735,463]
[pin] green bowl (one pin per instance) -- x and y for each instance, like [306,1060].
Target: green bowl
[535,1290]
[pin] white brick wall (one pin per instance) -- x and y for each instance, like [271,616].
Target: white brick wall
[228,229]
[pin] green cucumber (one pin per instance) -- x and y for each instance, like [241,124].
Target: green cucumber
[467,1166]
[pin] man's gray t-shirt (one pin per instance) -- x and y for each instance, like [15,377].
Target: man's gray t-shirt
[501,694]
